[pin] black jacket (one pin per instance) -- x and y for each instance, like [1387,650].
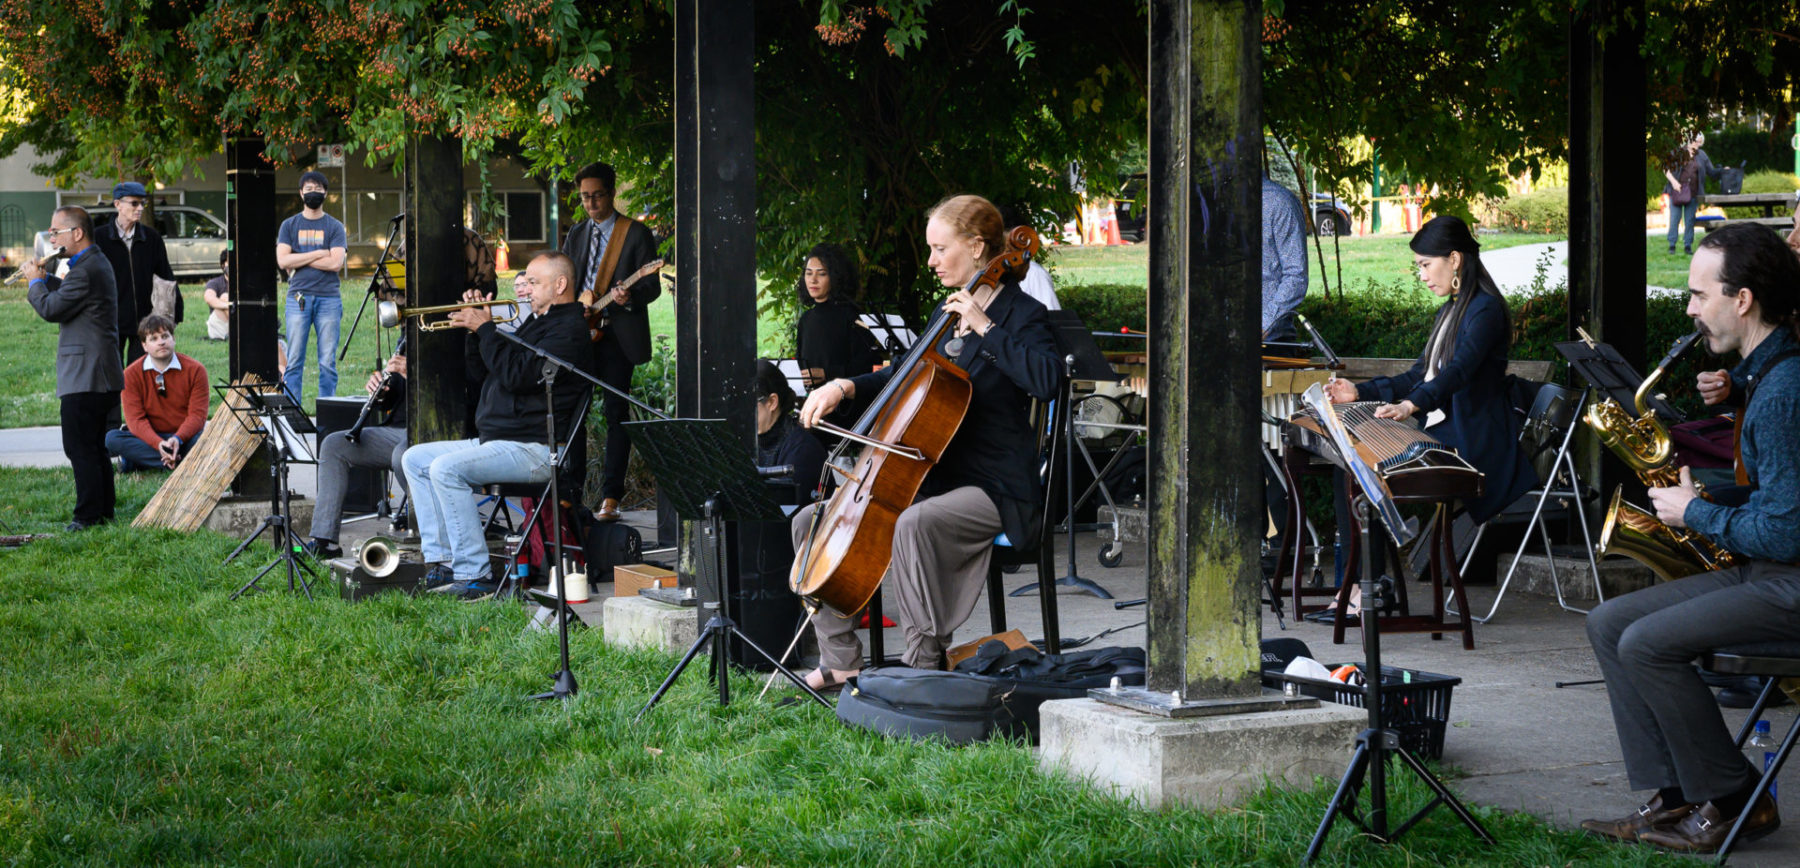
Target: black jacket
[996,447]
[1478,418]
[133,270]
[828,336]
[512,391]
[784,444]
[628,324]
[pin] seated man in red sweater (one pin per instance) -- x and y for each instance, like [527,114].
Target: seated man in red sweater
[164,400]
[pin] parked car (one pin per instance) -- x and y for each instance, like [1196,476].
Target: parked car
[1330,215]
[195,238]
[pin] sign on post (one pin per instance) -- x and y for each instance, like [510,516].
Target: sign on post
[331,156]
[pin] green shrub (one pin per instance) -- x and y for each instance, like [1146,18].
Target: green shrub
[1106,306]
[1544,211]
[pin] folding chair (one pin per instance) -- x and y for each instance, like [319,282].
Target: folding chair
[1775,661]
[1554,415]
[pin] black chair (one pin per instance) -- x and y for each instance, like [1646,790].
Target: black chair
[1049,430]
[1774,661]
[499,492]
[1548,431]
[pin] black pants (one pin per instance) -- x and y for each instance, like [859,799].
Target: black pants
[615,370]
[84,442]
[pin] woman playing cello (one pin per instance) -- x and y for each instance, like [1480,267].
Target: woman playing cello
[985,482]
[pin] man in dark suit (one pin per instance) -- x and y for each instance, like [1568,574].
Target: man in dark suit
[138,256]
[610,237]
[84,305]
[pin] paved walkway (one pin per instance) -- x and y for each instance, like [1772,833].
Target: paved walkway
[1514,268]
[1515,740]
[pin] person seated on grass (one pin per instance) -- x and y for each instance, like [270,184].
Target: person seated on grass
[218,298]
[165,402]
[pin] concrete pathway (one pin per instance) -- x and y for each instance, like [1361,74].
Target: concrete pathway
[42,447]
[1514,268]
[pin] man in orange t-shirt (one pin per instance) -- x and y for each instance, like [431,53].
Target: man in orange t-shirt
[165,402]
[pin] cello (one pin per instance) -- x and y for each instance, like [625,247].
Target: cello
[904,432]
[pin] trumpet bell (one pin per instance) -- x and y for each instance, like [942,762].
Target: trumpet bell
[378,556]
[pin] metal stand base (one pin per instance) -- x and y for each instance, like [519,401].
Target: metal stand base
[1086,586]
[720,628]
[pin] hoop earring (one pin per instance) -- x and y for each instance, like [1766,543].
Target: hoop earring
[1455,284]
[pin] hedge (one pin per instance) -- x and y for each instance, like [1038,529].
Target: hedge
[1544,211]
[1393,321]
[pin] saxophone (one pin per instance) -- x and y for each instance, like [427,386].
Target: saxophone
[1643,443]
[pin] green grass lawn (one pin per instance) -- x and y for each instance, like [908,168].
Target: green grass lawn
[145,718]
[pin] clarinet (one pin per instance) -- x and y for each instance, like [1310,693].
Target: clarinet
[380,400]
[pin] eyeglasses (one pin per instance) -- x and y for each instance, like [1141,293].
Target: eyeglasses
[53,231]
[161,389]
[131,203]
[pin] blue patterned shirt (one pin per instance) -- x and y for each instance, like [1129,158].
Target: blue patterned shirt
[1283,253]
[1767,527]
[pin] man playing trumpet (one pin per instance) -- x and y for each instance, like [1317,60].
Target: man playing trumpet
[1744,295]
[510,445]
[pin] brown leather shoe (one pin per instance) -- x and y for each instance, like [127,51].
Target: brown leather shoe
[1704,830]
[609,510]
[1653,815]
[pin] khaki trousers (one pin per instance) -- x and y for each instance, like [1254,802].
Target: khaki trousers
[941,550]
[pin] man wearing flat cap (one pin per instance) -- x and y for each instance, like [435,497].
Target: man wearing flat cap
[137,254]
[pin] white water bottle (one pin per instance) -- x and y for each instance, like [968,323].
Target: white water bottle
[1764,739]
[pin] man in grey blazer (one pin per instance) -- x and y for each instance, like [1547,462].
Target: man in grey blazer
[84,305]
[625,341]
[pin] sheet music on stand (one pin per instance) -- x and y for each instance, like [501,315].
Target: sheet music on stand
[1365,476]
[287,422]
[1614,377]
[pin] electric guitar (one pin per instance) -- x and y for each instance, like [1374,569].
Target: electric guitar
[598,314]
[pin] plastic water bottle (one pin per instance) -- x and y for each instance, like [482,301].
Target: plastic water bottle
[1762,738]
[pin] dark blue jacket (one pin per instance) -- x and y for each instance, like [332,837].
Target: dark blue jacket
[1471,390]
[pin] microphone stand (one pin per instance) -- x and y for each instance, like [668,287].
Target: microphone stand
[374,281]
[564,686]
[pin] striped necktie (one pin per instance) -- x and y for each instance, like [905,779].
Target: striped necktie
[593,257]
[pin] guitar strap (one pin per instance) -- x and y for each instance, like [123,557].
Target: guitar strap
[1737,427]
[609,261]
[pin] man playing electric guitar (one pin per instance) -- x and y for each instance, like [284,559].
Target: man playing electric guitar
[606,248]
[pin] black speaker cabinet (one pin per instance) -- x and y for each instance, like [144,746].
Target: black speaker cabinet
[758,557]
[365,488]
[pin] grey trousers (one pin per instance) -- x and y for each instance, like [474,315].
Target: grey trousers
[377,447]
[941,550]
[1670,729]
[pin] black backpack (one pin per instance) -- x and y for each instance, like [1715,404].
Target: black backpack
[607,544]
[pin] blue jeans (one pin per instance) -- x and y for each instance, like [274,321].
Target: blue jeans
[322,312]
[443,477]
[135,454]
[1678,215]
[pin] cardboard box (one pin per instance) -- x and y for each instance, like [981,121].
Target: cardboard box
[1013,639]
[629,579]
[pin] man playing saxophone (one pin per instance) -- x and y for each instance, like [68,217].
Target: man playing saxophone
[1744,296]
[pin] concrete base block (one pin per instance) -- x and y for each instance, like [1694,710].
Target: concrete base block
[1617,575]
[1206,762]
[1131,519]
[240,517]
[640,622]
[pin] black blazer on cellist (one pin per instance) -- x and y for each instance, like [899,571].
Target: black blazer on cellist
[996,447]
[629,324]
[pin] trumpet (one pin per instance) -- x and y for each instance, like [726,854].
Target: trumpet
[391,315]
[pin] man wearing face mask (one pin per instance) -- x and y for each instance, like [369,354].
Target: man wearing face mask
[138,255]
[310,245]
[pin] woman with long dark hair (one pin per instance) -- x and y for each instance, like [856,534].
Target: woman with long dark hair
[780,441]
[829,338]
[1459,382]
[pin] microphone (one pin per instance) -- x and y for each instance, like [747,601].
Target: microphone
[775,472]
[397,218]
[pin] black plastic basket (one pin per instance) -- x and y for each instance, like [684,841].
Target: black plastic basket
[1419,710]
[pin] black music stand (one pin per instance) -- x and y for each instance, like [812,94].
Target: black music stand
[1082,360]
[709,477]
[278,418]
[1375,744]
[1606,370]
